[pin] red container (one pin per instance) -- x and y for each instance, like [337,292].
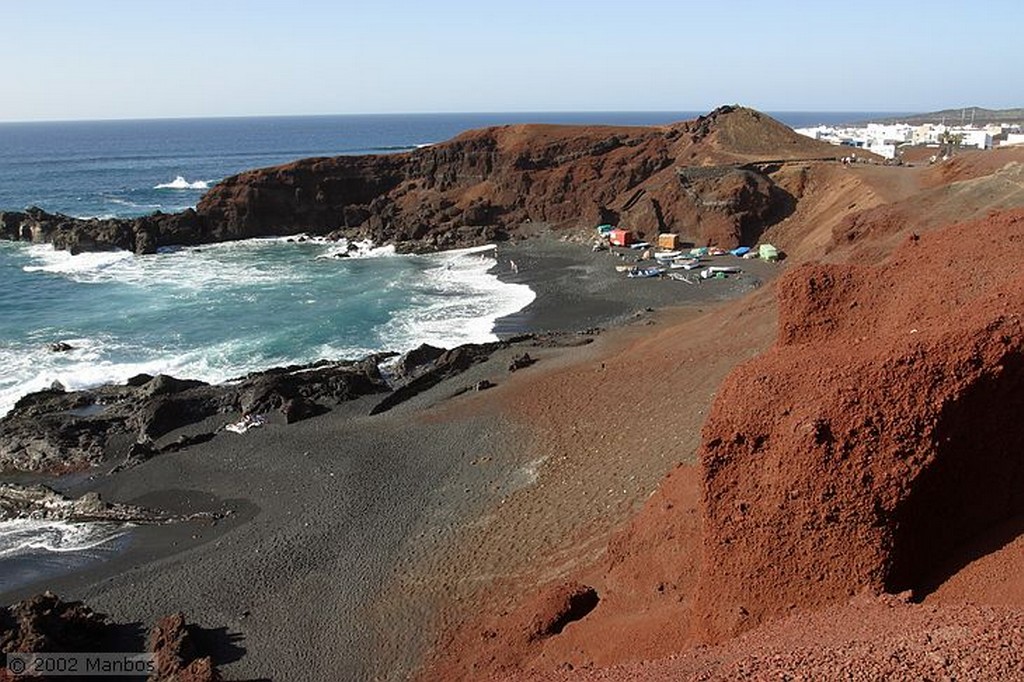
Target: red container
[620,237]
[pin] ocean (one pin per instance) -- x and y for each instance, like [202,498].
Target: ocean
[219,311]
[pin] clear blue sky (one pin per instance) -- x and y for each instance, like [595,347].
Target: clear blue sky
[80,59]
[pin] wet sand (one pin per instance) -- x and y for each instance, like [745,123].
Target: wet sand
[347,534]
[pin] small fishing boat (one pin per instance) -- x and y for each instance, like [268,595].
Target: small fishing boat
[644,272]
[719,271]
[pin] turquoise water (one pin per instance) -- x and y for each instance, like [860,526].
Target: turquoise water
[219,311]
[216,312]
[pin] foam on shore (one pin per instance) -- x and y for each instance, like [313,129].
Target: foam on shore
[220,311]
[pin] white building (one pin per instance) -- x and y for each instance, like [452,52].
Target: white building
[927,133]
[883,139]
[897,133]
[884,149]
[972,137]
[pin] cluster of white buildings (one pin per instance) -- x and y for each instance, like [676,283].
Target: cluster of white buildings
[885,139]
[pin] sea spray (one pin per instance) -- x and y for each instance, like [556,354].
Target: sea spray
[220,311]
[180,182]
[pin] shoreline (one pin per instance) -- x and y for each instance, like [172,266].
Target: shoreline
[578,289]
[402,487]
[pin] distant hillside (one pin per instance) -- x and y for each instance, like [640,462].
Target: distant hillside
[691,178]
[965,115]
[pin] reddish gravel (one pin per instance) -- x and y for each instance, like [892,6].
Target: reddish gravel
[875,437]
[868,638]
[872,449]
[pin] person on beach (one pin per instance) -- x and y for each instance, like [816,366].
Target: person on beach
[513,267]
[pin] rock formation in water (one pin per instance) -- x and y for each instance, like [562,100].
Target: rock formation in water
[53,430]
[703,179]
[56,430]
[40,502]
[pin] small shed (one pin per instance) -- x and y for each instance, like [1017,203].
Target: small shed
[619,237]
[768,252]
[667,240]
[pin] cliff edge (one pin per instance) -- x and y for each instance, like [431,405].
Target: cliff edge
[699,178]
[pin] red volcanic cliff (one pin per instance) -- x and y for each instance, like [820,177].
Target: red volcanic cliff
[868,450]
[484,183]
[876,436]
[700,179]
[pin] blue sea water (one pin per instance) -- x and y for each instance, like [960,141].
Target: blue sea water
[218,311]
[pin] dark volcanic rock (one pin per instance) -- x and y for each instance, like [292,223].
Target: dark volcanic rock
[448,364]
[41,502]
[47,624]
[416,361]
[55,430]
[520,362]
[141,235]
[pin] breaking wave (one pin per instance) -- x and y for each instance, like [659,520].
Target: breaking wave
[180,182]
[219,311]
[458,302]
[18,536]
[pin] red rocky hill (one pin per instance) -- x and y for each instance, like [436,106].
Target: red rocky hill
[703,179]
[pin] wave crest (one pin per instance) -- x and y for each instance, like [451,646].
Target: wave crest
[180,182]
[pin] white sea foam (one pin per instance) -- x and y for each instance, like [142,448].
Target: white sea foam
[467,302]
[189,268]
[130,204]
[358,249]
[180,182]
[94,362]
[447,299]
[19,536]
[89,265]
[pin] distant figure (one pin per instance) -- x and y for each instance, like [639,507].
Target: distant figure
[512,266]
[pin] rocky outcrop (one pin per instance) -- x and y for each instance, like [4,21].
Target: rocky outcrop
[43,503]
[423,368]
[55,430]
[177,654]
[877,435]
[47,624]
[480,187]
[140,235]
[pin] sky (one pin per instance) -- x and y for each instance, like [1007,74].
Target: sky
[102,59]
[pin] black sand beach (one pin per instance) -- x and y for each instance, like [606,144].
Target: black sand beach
[578,288]
[329,514]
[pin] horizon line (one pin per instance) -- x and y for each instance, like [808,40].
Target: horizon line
[453,113]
